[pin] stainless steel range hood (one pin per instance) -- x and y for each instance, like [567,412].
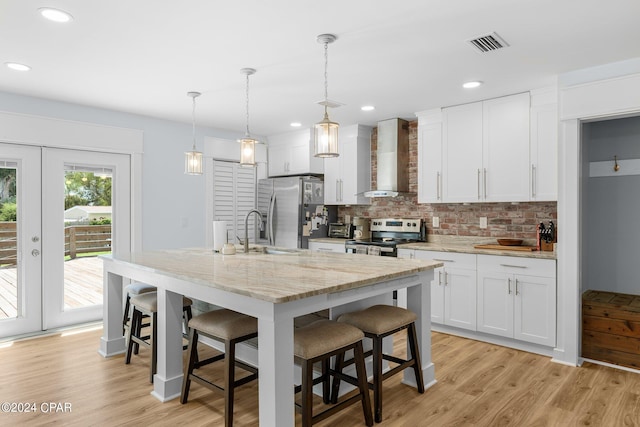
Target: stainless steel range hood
[393,159]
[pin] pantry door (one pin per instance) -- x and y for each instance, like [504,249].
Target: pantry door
[86,198]
[20,240]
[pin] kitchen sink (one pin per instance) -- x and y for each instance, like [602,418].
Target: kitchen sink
[273,251]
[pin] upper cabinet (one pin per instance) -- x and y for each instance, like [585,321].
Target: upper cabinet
[348,176]
[292,154]
[488,151]
[544,145]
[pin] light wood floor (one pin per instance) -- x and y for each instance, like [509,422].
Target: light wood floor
[478,384]
[82,285]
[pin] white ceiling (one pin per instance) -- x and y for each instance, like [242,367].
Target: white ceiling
[143,56]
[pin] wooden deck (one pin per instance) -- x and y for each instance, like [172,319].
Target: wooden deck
[82,286]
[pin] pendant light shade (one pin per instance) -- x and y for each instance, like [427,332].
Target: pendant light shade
[247,144]
[193,158]
[325,132]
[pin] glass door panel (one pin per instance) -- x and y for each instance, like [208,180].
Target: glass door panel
[82,216]
[20,240]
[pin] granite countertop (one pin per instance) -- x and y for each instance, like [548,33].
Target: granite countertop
[286,276]
[459,244]
[466,245]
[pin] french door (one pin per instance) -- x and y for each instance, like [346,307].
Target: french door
[71,207]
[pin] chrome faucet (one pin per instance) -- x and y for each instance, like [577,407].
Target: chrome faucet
[246,228]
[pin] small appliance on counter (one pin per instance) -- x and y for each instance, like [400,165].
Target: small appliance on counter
[386,235]
[339,230]
[361,229]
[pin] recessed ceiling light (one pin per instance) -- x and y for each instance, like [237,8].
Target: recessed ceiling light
[17,67]
[367,108]
[471,85]
[55,15]
[296,124]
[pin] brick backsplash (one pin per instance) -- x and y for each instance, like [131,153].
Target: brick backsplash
[513,220]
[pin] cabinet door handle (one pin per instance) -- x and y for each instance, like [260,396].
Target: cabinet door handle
[517,293]
[439,278]
[484,182]
[478,184]
[438,184]
[446,278]
[533,181]
[337,190]
[341,190]
[513,265]
[509,286]
[443,260]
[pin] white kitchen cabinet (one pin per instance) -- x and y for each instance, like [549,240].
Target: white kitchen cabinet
[453,289]
[517,298]
[292,154]
[544,145]
[348,176]
[476,152]
[430,156]
[315,246]
[462,153]
[505,149]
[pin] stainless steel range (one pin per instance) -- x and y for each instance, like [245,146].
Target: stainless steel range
[387,234]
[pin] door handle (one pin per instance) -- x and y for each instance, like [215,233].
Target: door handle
[517,293]
[337,190]
[446,278]
[438,185]
[478,184]
[35,239]
[484,182]
[509,286]
[35,252]
[439,278]
[533,180]
[272,203]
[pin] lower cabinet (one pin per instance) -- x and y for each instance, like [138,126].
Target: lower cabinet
[516,298]
[326,247]
[453,289]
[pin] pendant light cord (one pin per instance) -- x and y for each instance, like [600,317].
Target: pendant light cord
[247,105]
[193,120]
[326,76]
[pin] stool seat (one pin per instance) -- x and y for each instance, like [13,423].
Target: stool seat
[149,301]
[379,319]
[323,336]
[225,324]
[137,288]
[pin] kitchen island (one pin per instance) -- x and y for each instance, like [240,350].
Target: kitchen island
[274,287]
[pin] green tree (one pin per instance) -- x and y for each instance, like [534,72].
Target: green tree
[84,188]
[7,184]
[8,212]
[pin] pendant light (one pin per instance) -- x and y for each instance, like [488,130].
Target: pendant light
[193,158]
[247,144]
[325,132]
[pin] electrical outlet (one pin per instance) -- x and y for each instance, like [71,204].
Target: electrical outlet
[435,222]
[483,222]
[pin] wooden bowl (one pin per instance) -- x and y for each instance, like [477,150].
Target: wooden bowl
[510,242]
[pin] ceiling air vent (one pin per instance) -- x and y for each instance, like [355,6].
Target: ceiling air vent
[488,42]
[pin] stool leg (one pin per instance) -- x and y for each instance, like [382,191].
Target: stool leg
[125,318]
[377,377]
[326,383]
[307,393]
[229,381]
[154,344]
[335,389]
[191,361]
[363,385]
[415,355]
[134,318]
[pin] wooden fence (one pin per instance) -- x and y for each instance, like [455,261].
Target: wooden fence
[78,239]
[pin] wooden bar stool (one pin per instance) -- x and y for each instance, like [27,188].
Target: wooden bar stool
[231,328]
[143,305]
[378,322]
[133,289]
[318,342]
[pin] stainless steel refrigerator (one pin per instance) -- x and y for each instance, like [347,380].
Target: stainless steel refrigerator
[293,211]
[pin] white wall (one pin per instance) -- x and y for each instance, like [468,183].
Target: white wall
[612,223]
[173,204]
